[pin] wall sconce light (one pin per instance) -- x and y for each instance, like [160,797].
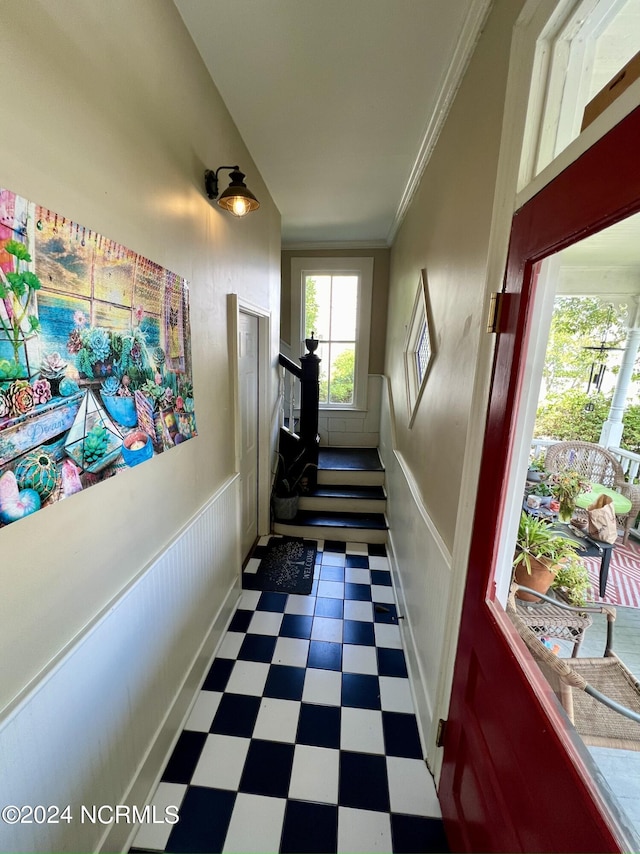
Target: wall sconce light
[236,199]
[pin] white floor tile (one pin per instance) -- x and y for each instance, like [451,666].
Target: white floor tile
[155,836]
[361,730]
[411,787]
[379,562]
[252,565]
[265,623]
[230,646]
[388,636]
[355,610]
[326,629]
[380,593]
[331,589]
[249,599]
[203,711]
[315,774]
[221,762]
[323,687]
[334,558]
[256,824]
[363,830]
[395,694]
[291,651]
[264,541]
[248,677]
[277,720]
[357,549]
[359,659]
[357,575]
[303,605]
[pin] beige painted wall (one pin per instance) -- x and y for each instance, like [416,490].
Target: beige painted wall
[110,120]
[446,231]
[378,303]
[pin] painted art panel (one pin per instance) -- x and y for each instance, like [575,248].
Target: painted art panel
[95,358]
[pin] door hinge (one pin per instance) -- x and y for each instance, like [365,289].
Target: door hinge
[441,732]
[495,310]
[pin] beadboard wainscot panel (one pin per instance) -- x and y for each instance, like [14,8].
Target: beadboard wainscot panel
[421,566]
[97,727]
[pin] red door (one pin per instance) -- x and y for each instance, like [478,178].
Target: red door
[515,777]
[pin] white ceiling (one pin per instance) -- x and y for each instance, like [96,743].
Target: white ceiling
[338,101]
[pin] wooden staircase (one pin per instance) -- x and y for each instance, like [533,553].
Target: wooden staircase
[348,503]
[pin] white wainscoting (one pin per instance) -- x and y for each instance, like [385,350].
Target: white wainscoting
[421,565]
[98,726]
[352,427]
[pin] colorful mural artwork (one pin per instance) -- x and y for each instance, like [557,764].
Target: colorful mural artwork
[95,358]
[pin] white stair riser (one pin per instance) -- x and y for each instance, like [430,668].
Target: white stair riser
[338,477]
[343,535]
[343,505]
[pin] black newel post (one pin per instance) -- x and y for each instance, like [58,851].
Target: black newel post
[309,401]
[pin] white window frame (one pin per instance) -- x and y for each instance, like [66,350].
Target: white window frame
[419,323]
[361,267]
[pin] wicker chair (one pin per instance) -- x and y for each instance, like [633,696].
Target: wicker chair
[600,695]
[594,463]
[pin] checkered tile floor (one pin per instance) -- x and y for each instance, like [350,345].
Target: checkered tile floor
[304,736]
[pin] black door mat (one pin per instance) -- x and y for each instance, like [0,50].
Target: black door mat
[286,566]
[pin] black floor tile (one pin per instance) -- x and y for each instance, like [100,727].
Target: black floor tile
[377,549]
[240,621]
[357,561]
[309,828]
[218,675]
[324,655]
[359,592]
[257,648]
[381,577]
[296,626]
[267,770]
[358,632]
[236,715]
[385,612]
[355,768]
[360,691]
[319,726]
[204,820]
[285,683]
[401,736]
[272,602]
[334,546]
[391,662]
[326,607]
[411,834]
[184,758]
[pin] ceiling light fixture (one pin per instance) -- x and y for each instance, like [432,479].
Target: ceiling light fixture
[236,199]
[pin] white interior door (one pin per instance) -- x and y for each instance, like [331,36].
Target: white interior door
[248,389]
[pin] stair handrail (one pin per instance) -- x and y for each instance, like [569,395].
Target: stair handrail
[308,372]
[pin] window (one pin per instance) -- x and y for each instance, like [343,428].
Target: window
[418,351]
[333,301]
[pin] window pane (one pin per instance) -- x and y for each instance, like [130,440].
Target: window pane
[344,307]
[323,353]
[423,351]
[341,373]
[317,298]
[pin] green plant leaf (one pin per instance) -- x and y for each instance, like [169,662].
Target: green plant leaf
[18,250]
[4,292]
[31,280]
[18,285]
[34,323]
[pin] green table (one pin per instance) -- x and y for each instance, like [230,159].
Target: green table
[621,503]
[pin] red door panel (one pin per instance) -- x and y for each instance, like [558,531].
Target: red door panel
[515,777]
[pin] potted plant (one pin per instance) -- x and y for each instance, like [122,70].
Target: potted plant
[19,324]
[572,580]
[536,471]
[540,551]
[565,487]
[290,482]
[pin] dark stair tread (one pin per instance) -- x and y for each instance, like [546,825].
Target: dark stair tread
[335,519]
[337,491]
[349,459]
